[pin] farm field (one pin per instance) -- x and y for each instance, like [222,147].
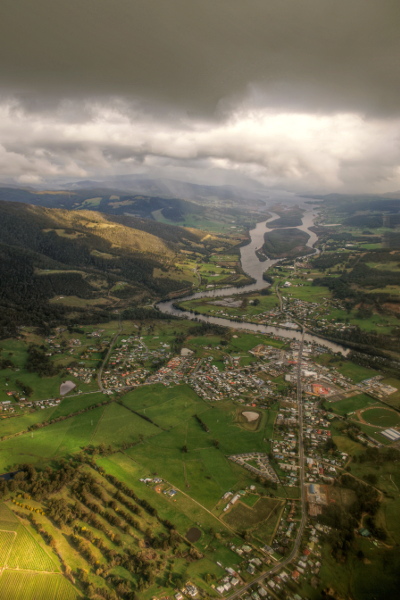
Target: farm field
[7,539]
[263,304]
[69,405]
[118,423]
[56,440]
[19,548]
[19,585]
[27,554]
[354,372]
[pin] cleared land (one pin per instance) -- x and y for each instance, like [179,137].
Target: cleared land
[264,514]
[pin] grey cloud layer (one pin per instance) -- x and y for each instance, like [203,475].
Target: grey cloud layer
[299,151]
[193,54]
[295,93]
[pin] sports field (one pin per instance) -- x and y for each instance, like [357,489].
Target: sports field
[384,417]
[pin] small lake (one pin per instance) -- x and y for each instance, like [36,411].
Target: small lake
[250,416]
[66,387]
[193,535]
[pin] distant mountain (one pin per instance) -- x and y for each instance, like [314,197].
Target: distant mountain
[351,203]
[254,195]
[154,200]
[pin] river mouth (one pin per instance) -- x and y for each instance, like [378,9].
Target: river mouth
[253,267]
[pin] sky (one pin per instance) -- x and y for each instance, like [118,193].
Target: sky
[302,95]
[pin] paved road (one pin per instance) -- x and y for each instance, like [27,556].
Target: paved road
[303,520]
[105,360]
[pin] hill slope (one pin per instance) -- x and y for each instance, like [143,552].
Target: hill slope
[46,253]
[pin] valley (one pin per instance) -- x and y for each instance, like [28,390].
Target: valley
[145,477]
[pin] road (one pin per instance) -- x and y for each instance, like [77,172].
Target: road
[279,298]
[285,561]
[107,356]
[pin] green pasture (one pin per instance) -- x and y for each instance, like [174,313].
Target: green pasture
[182,511]
[14,350]
[345,444]
[204,468]
[249,500]
[206,306]
[354,372]
[72,404]
[53,441]
[246,341]
[307,292]
[218,258]
[350,405]
[43,388]
[166,406]
[92,202]
[15,424]
[118,424]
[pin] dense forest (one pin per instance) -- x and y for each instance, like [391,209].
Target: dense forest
[286,243]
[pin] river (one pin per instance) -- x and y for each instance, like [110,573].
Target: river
[255,269]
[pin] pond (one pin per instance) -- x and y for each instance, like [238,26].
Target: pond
[66,386]
[193,535]
[250,416]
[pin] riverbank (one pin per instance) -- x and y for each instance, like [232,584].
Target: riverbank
[253,267]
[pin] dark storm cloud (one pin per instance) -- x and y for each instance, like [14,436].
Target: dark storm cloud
[301,94]
[303,54]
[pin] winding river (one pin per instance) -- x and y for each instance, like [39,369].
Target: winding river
[255,269]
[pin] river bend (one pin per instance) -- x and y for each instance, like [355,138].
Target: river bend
[255,268]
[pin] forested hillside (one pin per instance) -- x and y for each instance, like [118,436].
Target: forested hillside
[47,254]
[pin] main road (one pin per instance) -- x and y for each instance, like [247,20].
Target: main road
[107,356]
[285,561]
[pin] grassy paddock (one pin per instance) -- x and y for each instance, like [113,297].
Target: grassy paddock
[350,405]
